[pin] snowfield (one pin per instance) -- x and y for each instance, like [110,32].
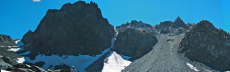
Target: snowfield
[14,49]
[115,63]
[19,43]
[79,62]
[4,71]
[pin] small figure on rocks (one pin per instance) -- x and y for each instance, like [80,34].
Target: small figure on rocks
[73,69]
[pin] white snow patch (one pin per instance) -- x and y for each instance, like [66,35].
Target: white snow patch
[20,49]
[14,49]
[20,60]
[191,66]
[19,43]
[115,63]
[4,71]
[79,62]
[208,70]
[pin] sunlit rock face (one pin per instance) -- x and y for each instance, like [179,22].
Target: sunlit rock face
[206,44]
[77,28]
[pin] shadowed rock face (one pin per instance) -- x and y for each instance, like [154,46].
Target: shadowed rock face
[6,40]
[75,29]
[134,39]
[206,44]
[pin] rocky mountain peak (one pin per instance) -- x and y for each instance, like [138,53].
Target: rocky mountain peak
[134,24]
[81,7]
[205,25]
[178,20]
[77,28]
[206,44]
[6,40]
[165,24]
[176,27]
[176,24]
[179,23]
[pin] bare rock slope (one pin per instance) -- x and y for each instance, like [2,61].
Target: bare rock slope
[172,54]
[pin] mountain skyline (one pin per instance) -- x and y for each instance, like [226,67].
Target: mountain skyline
[20,16]
[79,35]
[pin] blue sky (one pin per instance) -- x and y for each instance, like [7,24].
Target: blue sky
[19,16]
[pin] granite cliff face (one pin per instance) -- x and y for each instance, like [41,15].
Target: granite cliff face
[77,28]
[6,41]
[134,39]
[208,45]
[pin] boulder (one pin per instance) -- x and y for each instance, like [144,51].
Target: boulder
[7,60]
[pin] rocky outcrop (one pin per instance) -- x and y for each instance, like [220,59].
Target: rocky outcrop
[208,45]
[134,24]
[176,27]
[134,39]
[77,28]
[6,40]
[7,58]
[179,23]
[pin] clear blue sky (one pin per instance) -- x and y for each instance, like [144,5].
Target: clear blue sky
[19,16]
